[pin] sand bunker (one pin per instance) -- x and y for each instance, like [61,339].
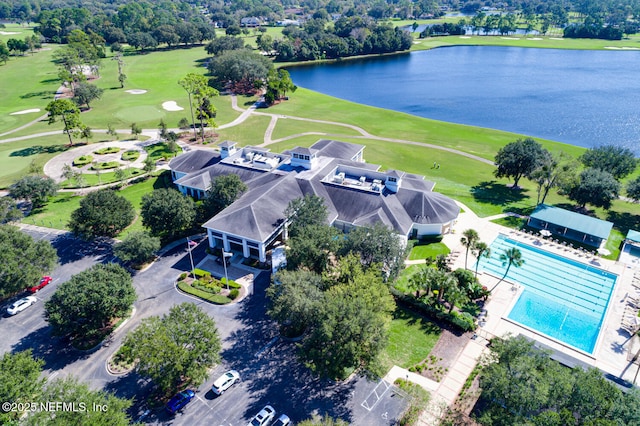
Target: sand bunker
[7,33]
[555,38]
[26,111]
[465,37]
[622,48]
[534,38]
[509,38]
[171,106]
[136,91]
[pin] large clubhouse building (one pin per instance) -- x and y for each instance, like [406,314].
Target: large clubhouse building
[355,193]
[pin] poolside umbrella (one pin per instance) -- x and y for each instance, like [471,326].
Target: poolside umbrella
[545,233]
[603,251]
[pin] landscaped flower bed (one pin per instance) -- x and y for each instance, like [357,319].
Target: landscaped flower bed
[107,150]
[208,288]
[82,160]
[131,155]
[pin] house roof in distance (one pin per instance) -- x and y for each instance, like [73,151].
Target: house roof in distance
[572,220]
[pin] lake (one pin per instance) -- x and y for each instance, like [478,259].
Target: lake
[580,97]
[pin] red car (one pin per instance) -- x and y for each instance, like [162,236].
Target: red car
[43,282]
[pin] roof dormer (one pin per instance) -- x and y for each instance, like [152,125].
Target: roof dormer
[393,180]
[303,157]
[227,149]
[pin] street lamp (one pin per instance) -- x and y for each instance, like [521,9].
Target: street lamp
[224,263]
[190,245]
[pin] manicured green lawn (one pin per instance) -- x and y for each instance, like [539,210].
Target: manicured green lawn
[26,82]
[428,250]
[288,127]
[544,42]
[411,339]
[251,132]
[510,222]
[406,274]
[57,212]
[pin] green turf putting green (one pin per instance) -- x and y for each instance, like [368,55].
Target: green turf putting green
[140,113]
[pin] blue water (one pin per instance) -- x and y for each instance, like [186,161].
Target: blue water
[584,98]
[563,299]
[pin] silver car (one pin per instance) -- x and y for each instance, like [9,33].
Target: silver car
[21,305]
[264,417]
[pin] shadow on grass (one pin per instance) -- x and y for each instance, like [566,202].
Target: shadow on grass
[38,149]
[624,221]
[44,94]
[497,193]
[412,318]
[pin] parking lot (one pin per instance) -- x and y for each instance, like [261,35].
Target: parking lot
[251,345]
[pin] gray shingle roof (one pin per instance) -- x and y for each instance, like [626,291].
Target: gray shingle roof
[260,211]
[336,149]
[194,161]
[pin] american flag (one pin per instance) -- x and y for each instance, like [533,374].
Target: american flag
[191,244]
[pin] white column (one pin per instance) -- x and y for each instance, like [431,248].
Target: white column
[261,254]
[210,238]
[225,243]
[245,248]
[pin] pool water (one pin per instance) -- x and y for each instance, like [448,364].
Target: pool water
[563,299]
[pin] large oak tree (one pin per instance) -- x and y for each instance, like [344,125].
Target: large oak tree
[519,159]
[22,260]
[102,213]
[174,350]
[90,300]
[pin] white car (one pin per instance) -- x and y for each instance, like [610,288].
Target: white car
[21,305]
[225,381]
[283,420]
[264,417]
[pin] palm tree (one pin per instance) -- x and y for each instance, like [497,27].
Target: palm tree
[511,256]
[480,250]
[469,238]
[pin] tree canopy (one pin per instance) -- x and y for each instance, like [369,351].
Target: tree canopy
[307,211]
[174,350]
[89,406]
[596,187]
[633,189]
[90,300]
[35,189]
[522,385]
[224,190]
[376,245]
[85,93]
[22,260]
[137,248]
[618,161]
[240,68]
[166,212]
[68,112]
[519,159]
[350,324]
[224,43]
[346,313]
[102,213]
[20,382]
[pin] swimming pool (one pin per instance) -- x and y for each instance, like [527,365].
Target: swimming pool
[563,299]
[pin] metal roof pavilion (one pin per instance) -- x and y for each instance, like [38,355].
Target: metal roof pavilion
[578,222]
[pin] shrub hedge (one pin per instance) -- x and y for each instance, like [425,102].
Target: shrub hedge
[82,160]
[462,320]
[107,150]
[131,155]
[105,165]
[213,298]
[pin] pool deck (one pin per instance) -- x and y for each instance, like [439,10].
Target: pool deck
[615,346]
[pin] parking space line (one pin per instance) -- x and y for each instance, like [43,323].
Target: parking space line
[374,393]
